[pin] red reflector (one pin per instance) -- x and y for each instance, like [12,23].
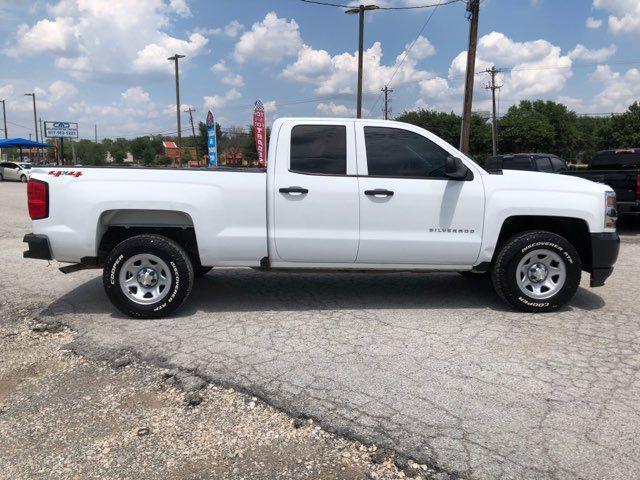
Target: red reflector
[38,199]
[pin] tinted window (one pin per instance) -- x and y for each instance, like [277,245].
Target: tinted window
[558,164]
[544,165]
[319,149]
[616,159]
[10,165]
[493,163]
[393,152]
[517,163]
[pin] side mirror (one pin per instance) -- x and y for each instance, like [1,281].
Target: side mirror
[455,169]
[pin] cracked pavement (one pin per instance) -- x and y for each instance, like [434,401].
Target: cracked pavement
[430,365]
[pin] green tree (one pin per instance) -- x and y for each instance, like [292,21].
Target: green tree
[90,153]
[118,148]
[539,126]
[625,128]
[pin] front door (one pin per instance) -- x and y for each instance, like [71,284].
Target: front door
[315,193]
[410,212]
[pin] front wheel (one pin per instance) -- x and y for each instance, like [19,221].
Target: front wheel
[23,178]
[148,276]
[537,271]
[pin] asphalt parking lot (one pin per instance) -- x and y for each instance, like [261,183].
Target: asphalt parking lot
[432,366]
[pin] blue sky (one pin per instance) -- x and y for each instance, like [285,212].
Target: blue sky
[104,61]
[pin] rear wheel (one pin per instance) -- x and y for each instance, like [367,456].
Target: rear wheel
[148,276]
[1,178]
[537,271]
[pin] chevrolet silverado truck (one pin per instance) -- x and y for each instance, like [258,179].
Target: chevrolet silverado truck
[336,195]
[620,169]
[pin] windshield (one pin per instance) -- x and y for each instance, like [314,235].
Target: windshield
[26,166]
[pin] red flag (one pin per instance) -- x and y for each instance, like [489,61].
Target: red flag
[259,132]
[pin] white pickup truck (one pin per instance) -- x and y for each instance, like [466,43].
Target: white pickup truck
[336,195]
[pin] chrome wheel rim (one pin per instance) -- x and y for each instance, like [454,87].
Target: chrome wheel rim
[145,279]
[541,274]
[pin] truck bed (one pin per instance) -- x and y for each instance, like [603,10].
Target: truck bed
[624,182]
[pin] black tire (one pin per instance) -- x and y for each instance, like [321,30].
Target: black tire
[504,273]
[201,271]
[168,251]
[23,178]
[1,178]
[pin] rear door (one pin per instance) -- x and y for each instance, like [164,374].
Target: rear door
[410,213]
[316,193]
[11,171]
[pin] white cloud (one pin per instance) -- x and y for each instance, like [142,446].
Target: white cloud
[217,101]
[337,74]
[233,81]
[231,29]
[180,7]
[270,40]
[6,90]
[108,39]
[596,55]
[270,106]
[333,110]
[56,94]
[624,15]
[220,67]
[619,89]
[135,96]
[593,24]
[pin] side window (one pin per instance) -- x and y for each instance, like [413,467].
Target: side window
[544,164]
[518,163]
[558,164]
[11,165]
[320,149]
[393,152]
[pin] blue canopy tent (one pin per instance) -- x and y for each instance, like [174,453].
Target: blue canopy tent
[22,143]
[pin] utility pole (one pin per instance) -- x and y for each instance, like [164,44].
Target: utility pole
[35,115]
[473,7]
[95,132]
[493,71]
[387,110]
[4,115]
[360,11]
[175,58]
[193,130]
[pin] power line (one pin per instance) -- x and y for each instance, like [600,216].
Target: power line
[406,54]
[414,7]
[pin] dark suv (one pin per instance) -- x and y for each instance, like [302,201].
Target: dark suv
[535,162]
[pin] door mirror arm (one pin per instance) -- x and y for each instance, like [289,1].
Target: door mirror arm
[455,169]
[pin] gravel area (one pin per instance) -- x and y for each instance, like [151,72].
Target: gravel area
[64,416]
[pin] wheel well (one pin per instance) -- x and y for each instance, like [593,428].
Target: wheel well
[184,236]
[575,230]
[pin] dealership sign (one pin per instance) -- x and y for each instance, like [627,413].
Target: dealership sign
[60,130]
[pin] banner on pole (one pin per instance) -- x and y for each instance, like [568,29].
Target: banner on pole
[259,132]
[212,140]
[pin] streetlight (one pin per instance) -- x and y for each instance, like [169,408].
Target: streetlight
[360,11]
[35,116]
[175,58]
[4,115]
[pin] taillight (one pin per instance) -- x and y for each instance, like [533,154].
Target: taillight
[38,199]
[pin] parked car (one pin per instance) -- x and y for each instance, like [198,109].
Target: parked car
[535,162]
[620,169]
[20,171]
[336,195]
